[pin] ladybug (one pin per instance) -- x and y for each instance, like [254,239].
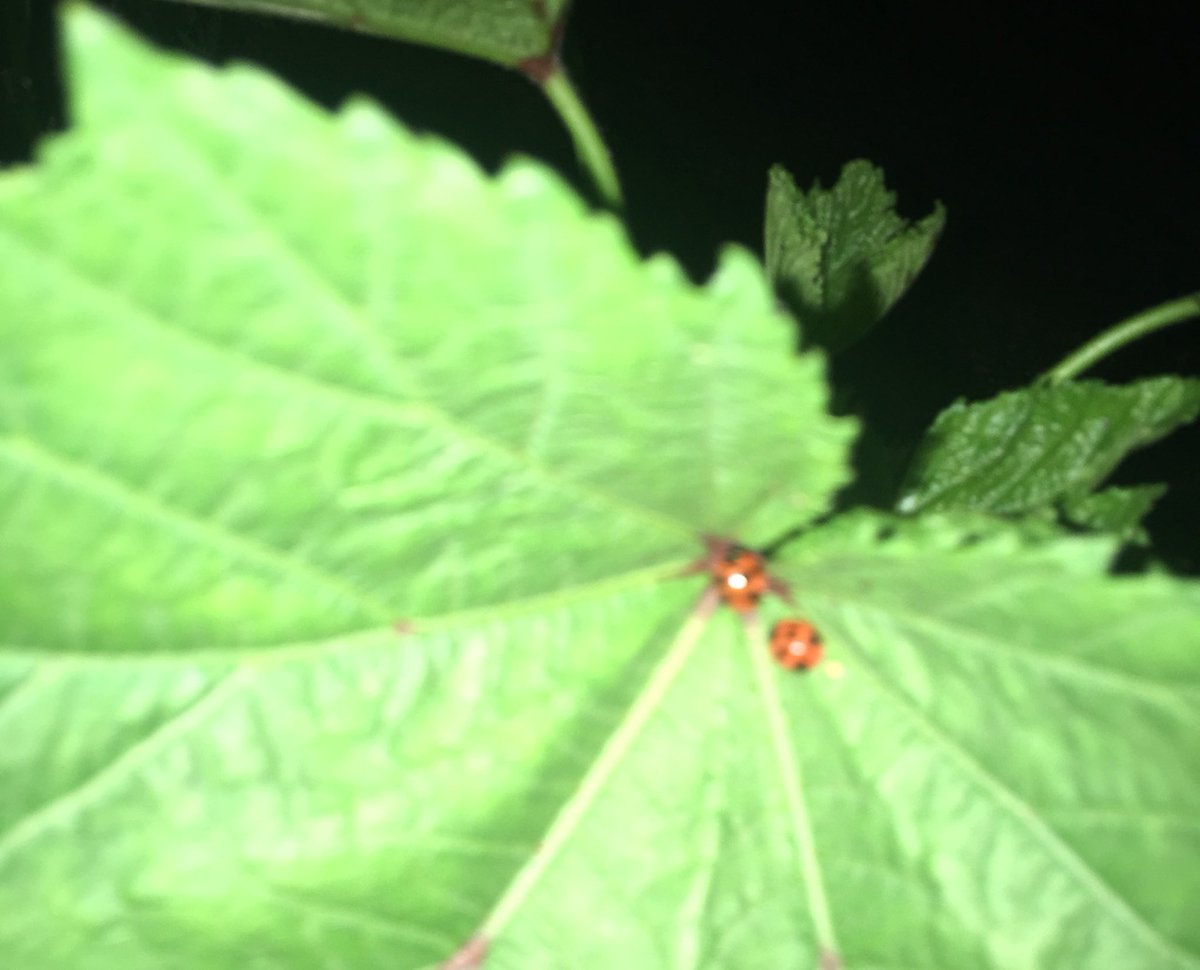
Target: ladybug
[796,643]
[740,576]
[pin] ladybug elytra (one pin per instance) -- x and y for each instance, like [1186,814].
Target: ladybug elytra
[740,576]
[796,643]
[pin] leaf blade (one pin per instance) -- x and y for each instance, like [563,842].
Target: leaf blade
[246,377]
[841,258]
[506,32]
[1029,449]
[992,702]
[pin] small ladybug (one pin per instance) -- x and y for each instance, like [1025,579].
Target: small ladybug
[796,643]
[740,576]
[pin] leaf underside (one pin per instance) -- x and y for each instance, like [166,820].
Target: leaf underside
[346,493]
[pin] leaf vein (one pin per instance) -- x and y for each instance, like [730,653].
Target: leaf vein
[1025,816]
[104,487]
[69,805]
[363,402]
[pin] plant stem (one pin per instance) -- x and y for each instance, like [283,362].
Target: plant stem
[1127,331]
[589,146]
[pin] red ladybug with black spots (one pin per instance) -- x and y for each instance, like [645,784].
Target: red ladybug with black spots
[796,644]
[740,576]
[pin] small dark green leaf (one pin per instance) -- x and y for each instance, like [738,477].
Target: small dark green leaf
[1029,449]
[1118,511]
[504,31]
[841,258]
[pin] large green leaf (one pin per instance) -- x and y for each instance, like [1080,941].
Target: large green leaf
[1048,444]
[263,398]
[508,32]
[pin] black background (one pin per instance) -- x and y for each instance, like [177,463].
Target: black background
[1065,146]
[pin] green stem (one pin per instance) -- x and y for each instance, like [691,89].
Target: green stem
[589,146]
[1127,331]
